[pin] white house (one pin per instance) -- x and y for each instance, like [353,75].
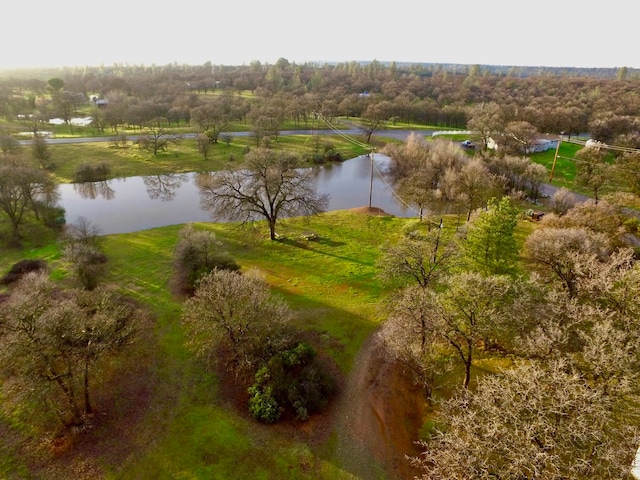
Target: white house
[540,144]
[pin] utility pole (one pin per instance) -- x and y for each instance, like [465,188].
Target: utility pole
[371,180]
[555,157]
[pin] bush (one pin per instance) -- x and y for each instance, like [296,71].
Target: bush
[198,253]
[262,405]
[90,173]
[293,381]
[631,225]
[21,268]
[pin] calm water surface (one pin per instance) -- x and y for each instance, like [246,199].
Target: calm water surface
[139,203]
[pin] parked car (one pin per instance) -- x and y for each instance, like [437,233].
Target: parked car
[468,144]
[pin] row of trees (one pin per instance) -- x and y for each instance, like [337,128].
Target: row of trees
[607,107]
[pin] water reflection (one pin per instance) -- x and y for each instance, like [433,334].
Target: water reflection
[139,203]
[164,187]
[93,190]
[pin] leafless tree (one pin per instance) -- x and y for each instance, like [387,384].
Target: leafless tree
[559,252]
[22,188]
[235,311]
[486,119]
[592,169]
[156,137]
[423,257]
[474,183]
[211,119]
[83,252]
[53,338]
[562,200]
[520,136]
[272,186]
[408,337]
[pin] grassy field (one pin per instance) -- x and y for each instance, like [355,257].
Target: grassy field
[165,417]
[181,157]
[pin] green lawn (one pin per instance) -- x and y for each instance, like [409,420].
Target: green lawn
[181,157]
[186,431]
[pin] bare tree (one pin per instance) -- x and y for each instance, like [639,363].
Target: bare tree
[157,138]
[562,200]
[197,253]
[486,120]
[520,136]
[22,186]
[272,186]
[408,337]
[211,119]
[418,256]
[375,116]
[474,183]
[469,311]
[53,338]
[83,252]
[557,251]
[592,169]
[236,312]
[41,151]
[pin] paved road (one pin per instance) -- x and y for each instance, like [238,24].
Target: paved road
[397,134]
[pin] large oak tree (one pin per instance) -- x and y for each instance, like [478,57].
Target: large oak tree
[272,185]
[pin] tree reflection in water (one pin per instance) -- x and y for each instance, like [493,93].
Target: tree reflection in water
[164,187]
[93,190]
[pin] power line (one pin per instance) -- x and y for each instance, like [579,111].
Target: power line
[373,163]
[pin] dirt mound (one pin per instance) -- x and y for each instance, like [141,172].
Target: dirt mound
[370,211]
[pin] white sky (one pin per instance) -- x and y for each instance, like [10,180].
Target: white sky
[498,32]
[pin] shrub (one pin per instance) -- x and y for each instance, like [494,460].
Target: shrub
[631,225]
[92,173]
[21,268]
[197,253]
[262,405]
[293,381]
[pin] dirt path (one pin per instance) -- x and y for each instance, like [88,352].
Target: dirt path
[379,415]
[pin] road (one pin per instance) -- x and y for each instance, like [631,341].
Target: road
[397,134]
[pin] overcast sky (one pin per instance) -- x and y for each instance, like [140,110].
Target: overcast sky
[497,32]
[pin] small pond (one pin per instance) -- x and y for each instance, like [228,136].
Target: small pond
[140,203]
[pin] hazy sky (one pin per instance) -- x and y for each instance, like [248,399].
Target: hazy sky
[498,32]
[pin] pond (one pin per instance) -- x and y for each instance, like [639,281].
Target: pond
[140,203]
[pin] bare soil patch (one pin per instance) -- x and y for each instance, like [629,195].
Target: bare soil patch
[370,211]
[380,413]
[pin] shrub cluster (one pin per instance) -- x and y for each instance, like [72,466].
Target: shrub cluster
[92,173]
[292,382]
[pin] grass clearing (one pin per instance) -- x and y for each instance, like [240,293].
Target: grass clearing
[181,157]
[184,430]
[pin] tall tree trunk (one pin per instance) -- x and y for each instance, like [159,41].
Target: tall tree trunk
[71,400]
[272,229]
[87,402]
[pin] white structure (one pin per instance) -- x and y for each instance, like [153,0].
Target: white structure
[635,466]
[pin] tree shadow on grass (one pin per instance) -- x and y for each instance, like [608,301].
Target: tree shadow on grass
[301,242]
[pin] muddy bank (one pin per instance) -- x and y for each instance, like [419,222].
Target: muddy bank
[378,416]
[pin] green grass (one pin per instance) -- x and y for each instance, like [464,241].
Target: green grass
[179,158]
[187,432]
